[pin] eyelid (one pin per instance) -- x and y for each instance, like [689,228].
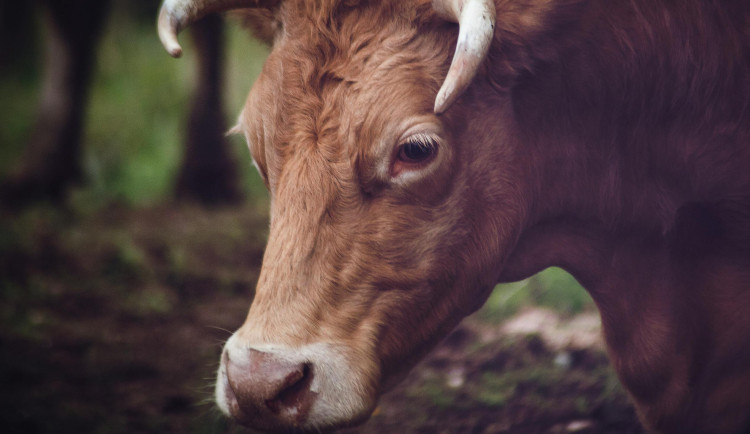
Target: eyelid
[424,128]
[420,138]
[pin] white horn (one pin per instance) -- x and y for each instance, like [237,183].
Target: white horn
[175,15]
[476,24]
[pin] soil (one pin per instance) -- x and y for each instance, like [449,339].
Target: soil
[112,322]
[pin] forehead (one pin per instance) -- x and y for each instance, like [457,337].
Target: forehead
[337,77]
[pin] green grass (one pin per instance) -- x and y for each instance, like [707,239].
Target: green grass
[553,288]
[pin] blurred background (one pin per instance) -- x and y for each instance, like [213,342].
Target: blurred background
[132,232]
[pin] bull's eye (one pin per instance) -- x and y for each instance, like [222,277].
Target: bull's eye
[417,149]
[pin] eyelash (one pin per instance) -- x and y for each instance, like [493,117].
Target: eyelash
[417,149]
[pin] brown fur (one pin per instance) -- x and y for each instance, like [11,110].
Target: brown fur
[608,137]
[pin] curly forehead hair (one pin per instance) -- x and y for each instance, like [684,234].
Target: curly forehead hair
[333,49]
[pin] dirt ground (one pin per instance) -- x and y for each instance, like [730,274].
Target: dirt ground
[113,321]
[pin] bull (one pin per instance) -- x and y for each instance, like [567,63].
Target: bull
[419,152]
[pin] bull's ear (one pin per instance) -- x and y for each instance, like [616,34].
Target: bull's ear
[476,22]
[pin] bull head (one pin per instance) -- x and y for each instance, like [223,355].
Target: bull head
[609,138]
[362,274]
[476,19]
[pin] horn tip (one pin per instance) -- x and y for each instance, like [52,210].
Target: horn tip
[444,99]
[168,38]
[172,46]
[168,25]
[175,52]
[448,91]
[440,105]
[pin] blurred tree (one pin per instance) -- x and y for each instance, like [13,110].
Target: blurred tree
[16,33]
[208,174]
[143,11]
[51,162]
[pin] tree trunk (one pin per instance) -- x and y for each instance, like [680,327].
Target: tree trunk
[16,36]
[52,160]
[208,174]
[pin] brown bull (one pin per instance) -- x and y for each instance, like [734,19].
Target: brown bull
[608,137]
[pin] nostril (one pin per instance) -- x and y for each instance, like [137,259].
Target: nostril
[295,392]
[266,385]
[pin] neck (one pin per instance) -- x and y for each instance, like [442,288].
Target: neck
[638,185]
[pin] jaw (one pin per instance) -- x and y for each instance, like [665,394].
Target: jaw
[345,372]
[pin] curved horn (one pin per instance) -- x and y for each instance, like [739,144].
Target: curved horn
[175,15]
[476,22]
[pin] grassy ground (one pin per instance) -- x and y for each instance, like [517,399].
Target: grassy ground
[113,310]
[112,322]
